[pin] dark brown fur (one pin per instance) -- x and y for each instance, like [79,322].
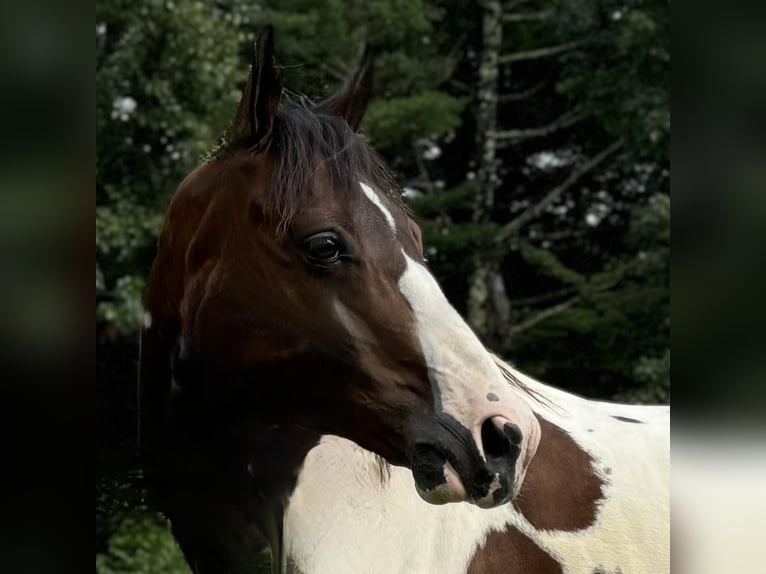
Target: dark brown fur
[254,350]
[246,362]
[561,490]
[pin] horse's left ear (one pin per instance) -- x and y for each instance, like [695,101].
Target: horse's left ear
[351,102]
[258,107]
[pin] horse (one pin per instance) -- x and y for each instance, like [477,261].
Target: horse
[303,377]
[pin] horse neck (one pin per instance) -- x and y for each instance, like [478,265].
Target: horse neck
[561,493]
[276,457]
[229,478]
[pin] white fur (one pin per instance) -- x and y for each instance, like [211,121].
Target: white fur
[342,518]
[373,197]
[632,530]
[461,371]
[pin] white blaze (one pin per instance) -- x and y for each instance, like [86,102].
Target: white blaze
[461,370]
[373,197]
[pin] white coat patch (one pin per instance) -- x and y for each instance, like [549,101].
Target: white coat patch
[343,519]
[461,370]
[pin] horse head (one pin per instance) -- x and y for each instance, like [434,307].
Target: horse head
[291,279]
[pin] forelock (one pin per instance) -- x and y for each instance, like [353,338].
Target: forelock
[305,141]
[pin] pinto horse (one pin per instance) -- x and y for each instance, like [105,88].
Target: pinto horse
[303,376]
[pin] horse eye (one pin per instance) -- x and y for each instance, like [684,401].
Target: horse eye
[323,248]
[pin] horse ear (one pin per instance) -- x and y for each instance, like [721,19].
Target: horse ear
[257,109]
[351,102]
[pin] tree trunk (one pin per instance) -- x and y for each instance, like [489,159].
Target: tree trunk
[478,298]
[488,306]
[486,118]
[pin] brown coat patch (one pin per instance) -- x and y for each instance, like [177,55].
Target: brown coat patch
[561,490]
[510,552]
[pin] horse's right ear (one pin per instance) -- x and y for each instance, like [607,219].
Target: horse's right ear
[351,102]
[254,120]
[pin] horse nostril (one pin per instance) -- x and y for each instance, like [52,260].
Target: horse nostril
[493,440]
[513,433]
[500,438]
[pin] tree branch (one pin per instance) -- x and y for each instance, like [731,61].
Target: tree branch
[564,305]
[514,226]
[522,95]
[543,315]
[527,16]
[515,4]
[538,53]
[334,73]
[530,301]
[556,235]
[462,86]
[513,136]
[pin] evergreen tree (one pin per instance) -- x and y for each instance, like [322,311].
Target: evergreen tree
[571,129]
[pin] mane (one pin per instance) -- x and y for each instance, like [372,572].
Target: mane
[509,374]
[306,140]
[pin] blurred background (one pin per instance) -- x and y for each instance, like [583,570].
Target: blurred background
[531,139]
